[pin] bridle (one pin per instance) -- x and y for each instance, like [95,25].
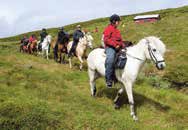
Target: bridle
[153,58]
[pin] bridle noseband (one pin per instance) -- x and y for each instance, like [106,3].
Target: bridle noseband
[154,59]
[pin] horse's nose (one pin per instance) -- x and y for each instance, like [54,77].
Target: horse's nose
[161,66]
[91,47]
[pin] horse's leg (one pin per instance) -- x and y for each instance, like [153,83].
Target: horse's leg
[55,55]
[60,53]
[63,59]
[70,63]
[43,51]
[117,98]
[59,56]
[47,53]
[21,49]
[92,78]
[128,86]
[31,51]
[81,62]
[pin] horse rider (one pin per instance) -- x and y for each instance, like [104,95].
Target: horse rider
[43,35]
[60,39]
[76,36]
[24,41]
[113,43]
[31,39]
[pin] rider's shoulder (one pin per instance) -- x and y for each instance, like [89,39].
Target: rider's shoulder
[109,28]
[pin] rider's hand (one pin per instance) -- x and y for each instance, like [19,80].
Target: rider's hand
[117,47]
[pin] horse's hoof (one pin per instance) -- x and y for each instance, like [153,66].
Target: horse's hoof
[116,106]
[93,95]
[135,118]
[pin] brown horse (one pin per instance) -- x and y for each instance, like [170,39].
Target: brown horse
[60,48]
[32,47]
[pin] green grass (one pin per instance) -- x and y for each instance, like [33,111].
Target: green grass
[40,94]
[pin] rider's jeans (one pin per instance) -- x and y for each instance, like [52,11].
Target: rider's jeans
[109,63]
[73,48]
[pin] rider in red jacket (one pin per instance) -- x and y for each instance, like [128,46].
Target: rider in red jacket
[31,39]
[112,37]
[113,43]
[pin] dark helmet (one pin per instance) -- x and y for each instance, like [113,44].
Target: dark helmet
[44,29]
[115,18]
[61,28]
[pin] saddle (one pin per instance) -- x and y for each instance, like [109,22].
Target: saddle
[120,59]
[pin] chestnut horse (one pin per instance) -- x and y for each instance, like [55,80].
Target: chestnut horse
[32,47]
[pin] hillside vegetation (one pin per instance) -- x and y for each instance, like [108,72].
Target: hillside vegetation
[40,94]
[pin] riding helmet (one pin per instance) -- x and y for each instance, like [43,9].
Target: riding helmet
[78,26]
[44,29]
[115,18]
[61,28]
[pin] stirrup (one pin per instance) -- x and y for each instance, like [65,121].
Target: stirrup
[109,84]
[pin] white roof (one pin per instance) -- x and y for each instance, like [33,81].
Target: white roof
[146,16]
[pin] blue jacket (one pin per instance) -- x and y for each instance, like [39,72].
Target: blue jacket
[43,34]
[77,35]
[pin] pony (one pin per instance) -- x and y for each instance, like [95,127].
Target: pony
[83,43]
[45,46]
[151,48]
[61,48]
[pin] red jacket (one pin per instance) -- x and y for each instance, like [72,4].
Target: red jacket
[112,37]
[31,39]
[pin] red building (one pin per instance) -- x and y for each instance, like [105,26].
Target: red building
[146,18]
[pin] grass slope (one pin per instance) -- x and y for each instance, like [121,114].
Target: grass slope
[40,94]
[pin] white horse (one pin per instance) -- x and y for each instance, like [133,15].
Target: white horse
[83,43]
[45,45]
[151,48]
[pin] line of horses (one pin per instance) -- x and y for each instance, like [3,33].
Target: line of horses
[63,48]
[148,48]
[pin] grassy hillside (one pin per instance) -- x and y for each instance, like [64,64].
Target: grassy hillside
[40,94]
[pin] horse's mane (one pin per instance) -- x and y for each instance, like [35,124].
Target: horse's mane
[160,46]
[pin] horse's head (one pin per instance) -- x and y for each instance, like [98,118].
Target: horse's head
[89,39]
[155,51]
